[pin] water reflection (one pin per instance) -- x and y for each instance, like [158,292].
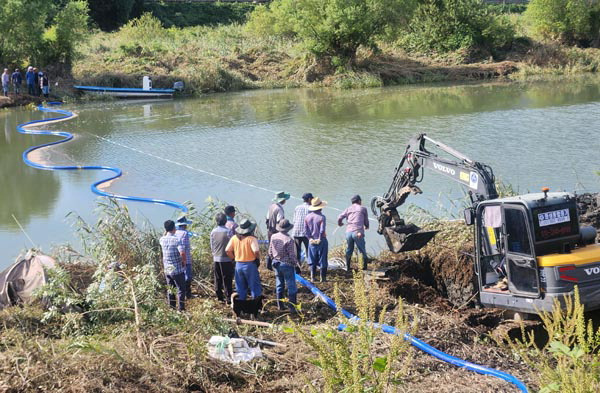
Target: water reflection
[24,191]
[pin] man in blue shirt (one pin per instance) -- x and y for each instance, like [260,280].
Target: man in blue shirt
[173,256]
[17,79]
[30,79]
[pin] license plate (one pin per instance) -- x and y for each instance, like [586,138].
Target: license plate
[554,217]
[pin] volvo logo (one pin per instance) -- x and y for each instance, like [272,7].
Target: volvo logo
[444,169]
[592,270]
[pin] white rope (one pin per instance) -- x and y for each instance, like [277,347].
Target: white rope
[201,170]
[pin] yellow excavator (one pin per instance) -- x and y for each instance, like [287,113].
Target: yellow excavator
[529,249]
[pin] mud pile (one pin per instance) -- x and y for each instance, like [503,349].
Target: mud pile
[589,209]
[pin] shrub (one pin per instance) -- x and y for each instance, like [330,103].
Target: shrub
[350,361]
[569,362]
[70,27]
[449,25]
[333,28]
[569,21]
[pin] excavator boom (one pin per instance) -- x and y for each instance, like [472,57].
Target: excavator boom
[477,177]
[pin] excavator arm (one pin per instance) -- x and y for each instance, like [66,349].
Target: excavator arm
[477,177]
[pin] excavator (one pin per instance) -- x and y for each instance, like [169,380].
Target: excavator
[532,244]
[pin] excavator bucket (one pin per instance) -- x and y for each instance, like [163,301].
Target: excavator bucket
[403,242]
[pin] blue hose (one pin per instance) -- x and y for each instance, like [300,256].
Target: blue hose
[67,137]
[415,341]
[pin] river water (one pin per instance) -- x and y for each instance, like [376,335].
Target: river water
[239,147]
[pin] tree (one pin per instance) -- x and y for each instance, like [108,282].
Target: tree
[449,25]
[70,26]
[334,28]
[22,23]
[569,21]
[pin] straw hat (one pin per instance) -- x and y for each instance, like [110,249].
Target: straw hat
[246,227]
[317,204]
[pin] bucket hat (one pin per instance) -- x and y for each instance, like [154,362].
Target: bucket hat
[281,196]
[245,227]
[317,204]
[284,225]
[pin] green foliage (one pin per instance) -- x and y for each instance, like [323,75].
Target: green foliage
[569,21]
[182,14]
[350,361]
[69,27]
[22,27]
[333,28]
[569,362]
[449,25]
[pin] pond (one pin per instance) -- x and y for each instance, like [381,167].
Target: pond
[242,147]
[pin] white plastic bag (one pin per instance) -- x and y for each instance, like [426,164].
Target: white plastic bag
[231,350]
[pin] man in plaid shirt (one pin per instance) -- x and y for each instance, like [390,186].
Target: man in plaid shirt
[174,259]
[300,213]
[282,250]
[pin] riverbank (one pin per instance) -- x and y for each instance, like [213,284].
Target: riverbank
[229,58]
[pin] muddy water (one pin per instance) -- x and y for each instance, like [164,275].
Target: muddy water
[241,146]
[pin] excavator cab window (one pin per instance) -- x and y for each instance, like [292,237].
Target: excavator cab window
[490,241]
[521,265]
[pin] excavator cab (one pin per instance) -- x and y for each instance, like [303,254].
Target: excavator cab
[535,244]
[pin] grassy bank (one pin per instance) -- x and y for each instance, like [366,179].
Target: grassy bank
[227,58]
[124,337]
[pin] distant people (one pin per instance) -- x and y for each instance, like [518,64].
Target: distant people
[358,220]
[314,226]
[173,256]
[231,224]
[36,80]
[300,213]
[243,249]
[183,234]
[17,80]
[5,82]
[223,266]
[44,84]
[30,80]
[282,250]
[274,215]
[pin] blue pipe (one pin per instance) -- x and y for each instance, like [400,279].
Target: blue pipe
[415,341]
[67,137]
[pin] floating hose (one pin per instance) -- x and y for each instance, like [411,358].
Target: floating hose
[66,115]
[415,341]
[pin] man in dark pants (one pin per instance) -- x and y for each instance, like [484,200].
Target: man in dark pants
[274,215]
[300,213]
[223,265]
[173,256]
[183,234]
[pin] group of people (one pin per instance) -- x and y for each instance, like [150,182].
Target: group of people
[37,82]
[236,251]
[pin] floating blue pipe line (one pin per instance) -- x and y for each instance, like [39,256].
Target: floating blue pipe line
[415,341]
[67,137]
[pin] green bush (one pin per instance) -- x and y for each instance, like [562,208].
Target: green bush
[333,28]
[448,25]
[70,27]
[569,21]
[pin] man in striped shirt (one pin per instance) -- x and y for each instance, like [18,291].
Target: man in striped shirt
[184,236]
[298,233]
[173,257]
[282,250]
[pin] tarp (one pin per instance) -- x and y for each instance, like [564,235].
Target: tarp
[22,278]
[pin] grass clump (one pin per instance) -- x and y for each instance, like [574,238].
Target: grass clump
[361,358]
[568,361]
